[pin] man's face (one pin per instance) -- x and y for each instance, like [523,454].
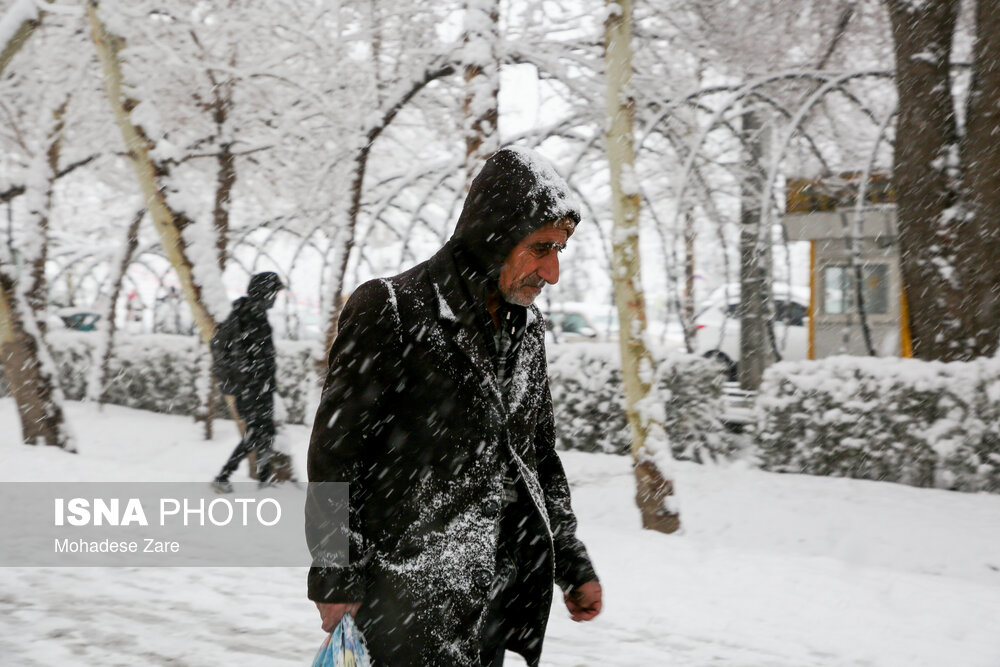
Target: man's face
[531,264]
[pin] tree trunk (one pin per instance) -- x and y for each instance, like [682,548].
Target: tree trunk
[343,242]
[687,305]
[482,84]
[755,348]
[97,390]
[375,22]
[225,181]
[39,207]
[206,389]
[341,246]
[29,369]
[650,449]
[980,237]
[169,223]
[931,217]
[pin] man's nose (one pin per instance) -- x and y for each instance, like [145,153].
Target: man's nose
[548,270]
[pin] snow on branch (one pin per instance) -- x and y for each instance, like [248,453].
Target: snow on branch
[16,26]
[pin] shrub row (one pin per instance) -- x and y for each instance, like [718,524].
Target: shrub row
[900,420]
[589,402]
[159,372]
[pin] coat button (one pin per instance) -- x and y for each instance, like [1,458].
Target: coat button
[482,578]
[491,508]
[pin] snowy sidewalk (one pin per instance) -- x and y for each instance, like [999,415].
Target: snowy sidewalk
[772,570]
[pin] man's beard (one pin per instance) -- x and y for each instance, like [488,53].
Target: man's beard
[517,298]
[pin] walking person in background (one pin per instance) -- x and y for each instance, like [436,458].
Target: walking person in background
[438,414]
[243,361]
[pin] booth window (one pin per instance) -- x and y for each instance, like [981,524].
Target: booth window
[838,289]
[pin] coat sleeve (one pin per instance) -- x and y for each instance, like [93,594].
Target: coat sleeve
[345,437]
[572,564]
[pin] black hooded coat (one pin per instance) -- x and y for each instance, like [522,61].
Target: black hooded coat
[251,348]
[413,417]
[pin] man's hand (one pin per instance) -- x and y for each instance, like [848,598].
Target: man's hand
[331,613]
[584,601]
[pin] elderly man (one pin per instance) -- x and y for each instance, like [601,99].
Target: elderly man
[437,411]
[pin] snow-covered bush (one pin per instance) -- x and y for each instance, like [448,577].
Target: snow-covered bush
[899,420]
[589,401]
[158,372]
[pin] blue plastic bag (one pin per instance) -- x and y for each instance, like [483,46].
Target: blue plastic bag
[344,647]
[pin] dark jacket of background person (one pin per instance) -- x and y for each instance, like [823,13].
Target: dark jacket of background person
[253,350]
[247,370]
[412,416]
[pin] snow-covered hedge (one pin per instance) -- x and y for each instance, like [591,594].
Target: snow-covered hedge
[158,372]
[899,420]
[589,401]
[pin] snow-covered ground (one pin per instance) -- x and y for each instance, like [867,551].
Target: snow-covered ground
[771,570]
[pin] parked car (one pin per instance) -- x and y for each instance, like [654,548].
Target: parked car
[576,322]
[569,327]
[77,319]
[573,322]
[717,323]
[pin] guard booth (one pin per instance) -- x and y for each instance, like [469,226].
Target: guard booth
[823,212]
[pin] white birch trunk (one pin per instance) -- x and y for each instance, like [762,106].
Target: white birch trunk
[168,222]
[16,26]
[651,453]
[196,263]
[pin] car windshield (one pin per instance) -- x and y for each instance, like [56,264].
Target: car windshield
[793,313]
[574,323]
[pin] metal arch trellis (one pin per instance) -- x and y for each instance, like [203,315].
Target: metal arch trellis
[446,175]
[833,84]
[741,93]
[707,203]
[261,248]
[793,128]
[387,202]
[830,83]
[856,229]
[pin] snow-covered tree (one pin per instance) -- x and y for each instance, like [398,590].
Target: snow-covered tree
[947,177]
[28,367]
[650,451]
[482,79]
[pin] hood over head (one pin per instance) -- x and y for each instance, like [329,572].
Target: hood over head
[516,192]
[264,285]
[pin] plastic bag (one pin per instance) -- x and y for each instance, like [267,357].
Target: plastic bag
[344,647]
